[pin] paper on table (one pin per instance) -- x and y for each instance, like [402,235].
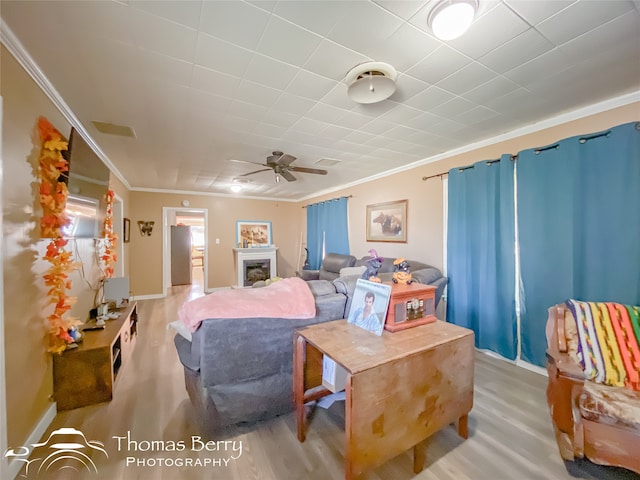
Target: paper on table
[326,402]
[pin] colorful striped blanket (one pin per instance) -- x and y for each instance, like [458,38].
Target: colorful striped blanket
[608,346]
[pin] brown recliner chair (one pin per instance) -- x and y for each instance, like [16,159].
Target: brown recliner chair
[592,420]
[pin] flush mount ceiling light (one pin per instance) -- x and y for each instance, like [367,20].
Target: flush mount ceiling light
[371,82]
[449,19]
[238,184]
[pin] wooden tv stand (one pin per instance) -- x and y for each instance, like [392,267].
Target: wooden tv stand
[89,374]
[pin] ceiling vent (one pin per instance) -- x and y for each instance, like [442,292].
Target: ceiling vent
[112,129]
[371,82]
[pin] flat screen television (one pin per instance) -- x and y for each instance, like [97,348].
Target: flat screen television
[88,183]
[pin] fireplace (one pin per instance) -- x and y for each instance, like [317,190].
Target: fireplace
[256,270]
[254,265]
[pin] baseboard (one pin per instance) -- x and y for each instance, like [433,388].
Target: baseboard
[518,362]
[45,421]
[153,296]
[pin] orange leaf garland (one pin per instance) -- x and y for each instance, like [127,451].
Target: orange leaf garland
[110,256]
[53,199]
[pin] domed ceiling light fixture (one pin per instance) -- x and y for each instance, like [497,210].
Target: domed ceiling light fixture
[371,82]
[449,19]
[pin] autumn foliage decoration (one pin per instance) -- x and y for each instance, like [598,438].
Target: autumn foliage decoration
[53,199]
[109,257]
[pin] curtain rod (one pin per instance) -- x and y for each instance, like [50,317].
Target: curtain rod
[330,200]
[583,139]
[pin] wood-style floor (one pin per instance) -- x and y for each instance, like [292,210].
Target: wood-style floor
[510,433]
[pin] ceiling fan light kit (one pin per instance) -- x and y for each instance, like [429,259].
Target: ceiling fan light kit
[371,82]
[449,19]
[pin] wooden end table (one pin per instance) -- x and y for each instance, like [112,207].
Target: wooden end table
[401,387]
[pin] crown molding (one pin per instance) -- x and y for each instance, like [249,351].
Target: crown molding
[15,47]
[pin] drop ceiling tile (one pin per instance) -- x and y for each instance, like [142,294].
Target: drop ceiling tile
[405,47]
[400,113]
[293,104]
[579,18]
[453,107]
[496,87]
[543,66]
[377,127]
[407,87]
[431,97]
[400,132]
[282,119]
[352,120]
[332,60]
[405,9]
[606,37]
[214,82]
[446,128]
[467,78]
[497,26]
[288,42]
[477,115]
[375,110]
[337,97]
[524,47]
[164,36]
[422,121]
[156,67]
[246,110]
[359,137]
[222,56]
[309,85]
[438,65]
[184,12]
[239,23]
[307,125]
[315,16]
[257,94]
[363,27]
[325,113]
[269,72]
[535,11]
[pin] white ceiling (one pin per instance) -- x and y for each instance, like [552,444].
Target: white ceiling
[205,82]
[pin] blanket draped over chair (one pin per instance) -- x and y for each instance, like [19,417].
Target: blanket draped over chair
[607,342]
[289,298]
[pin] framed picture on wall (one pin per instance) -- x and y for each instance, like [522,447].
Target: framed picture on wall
[387,222]
[251,233]
[126,230]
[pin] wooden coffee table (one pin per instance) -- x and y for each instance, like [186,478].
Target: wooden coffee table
[401,387]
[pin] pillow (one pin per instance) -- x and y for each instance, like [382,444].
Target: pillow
[352,270]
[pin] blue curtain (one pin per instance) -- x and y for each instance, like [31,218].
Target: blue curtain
[327,229]
[579,226]
[481,254]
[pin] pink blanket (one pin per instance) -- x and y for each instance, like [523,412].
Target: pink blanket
[287,298]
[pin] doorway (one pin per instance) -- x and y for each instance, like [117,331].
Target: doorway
[197,219]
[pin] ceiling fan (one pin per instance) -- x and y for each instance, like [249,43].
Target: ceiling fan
[280,163]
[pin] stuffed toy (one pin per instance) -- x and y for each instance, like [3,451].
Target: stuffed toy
[401,272]
[373,265]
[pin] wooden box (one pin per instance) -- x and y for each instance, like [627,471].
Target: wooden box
[410,306]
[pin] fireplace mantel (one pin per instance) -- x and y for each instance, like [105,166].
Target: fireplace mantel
[244,255]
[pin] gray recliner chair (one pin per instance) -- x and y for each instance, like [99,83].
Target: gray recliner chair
[330,268]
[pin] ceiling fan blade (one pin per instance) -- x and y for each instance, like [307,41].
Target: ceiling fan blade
[257,171]
[286,160]
[317,171]
[245,161]
[287,175]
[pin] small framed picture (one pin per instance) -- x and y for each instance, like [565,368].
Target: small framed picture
[126,231]
[251,234]
[369,305]
[387,222]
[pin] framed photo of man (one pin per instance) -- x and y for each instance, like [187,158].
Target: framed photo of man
[369,305]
